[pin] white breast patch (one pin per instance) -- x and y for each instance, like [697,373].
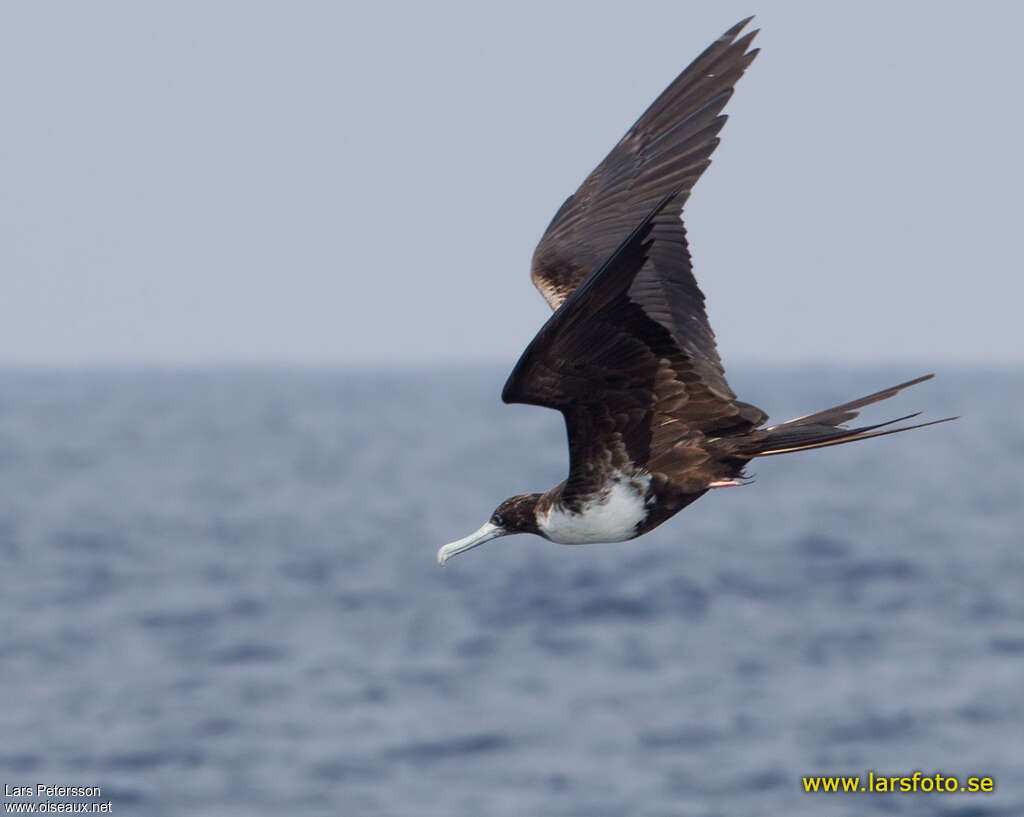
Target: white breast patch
[612,515]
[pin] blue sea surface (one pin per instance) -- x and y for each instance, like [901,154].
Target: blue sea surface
[220,597]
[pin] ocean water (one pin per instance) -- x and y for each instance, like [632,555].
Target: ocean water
[220,597]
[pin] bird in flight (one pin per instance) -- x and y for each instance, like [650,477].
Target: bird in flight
[628,356]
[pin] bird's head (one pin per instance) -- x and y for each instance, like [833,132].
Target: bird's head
[516,514]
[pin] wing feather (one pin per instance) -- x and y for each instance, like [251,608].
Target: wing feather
[629,357]
[668,148]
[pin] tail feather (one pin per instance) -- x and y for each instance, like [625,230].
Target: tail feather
[854,435]
[847,411]
[823,428]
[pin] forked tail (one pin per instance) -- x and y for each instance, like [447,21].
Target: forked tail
[824,428]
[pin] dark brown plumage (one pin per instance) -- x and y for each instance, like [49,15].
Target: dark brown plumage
[629,357]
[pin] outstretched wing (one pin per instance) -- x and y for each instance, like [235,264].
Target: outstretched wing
[629,360]
[667,149]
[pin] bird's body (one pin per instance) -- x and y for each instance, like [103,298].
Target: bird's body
[628,356]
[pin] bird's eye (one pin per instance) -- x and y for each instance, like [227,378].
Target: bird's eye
[498,519]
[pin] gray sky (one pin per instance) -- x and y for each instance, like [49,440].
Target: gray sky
[333,182]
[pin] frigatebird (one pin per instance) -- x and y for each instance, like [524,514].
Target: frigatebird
[628,356]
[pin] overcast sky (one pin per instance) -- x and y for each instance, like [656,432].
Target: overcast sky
[205,182]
